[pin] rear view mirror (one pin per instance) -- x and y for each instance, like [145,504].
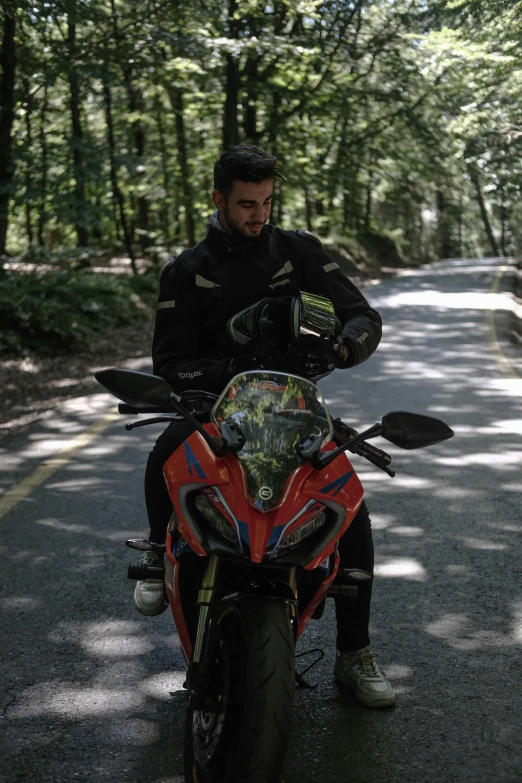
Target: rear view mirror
[414,430]
[135,388]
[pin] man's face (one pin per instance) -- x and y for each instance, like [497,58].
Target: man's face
[247,208]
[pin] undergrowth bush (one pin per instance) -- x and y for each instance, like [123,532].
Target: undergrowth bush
[56,312]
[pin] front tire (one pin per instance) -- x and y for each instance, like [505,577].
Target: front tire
[242,735]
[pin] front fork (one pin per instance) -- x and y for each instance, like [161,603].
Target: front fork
[205,596]
[194,675]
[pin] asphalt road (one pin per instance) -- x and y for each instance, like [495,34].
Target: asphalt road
[91,691]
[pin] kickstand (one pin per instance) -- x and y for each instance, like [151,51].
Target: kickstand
[299,676]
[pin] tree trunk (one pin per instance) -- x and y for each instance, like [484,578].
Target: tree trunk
[368,209]
[459,230]
[504,216]
[77,134]
[474,177]
[42,206]
[230,121]
[28,167]
[251,90]
[308,211]
[116,192]
[232,86]
[164,211]
[444,221]
[135,103]
[8,65]
[503,223]
[176,99]
[274,123]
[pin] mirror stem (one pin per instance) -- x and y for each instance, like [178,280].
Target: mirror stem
[323,459]
[217,445]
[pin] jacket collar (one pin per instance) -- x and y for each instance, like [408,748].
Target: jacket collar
[225,242]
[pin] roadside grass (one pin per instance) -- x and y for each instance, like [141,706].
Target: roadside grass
[60,311]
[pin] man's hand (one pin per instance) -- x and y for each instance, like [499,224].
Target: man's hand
[311,356]
[342,350]
[260,355]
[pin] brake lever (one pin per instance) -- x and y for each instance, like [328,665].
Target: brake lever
[378,464]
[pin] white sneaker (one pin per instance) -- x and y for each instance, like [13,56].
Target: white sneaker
[149,598]
[359,671]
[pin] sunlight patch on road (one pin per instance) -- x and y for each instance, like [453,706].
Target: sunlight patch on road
[508,460]
[401,568]
[398,671]
[482,544]
[115,638]
[466,300]
[457,631]
[45,470]
[117,646]
[382,521]
[20,603]
[66,701]
[162,686]
[407,531]
[517,622]
[413,482]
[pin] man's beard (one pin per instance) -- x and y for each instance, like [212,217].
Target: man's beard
[237,229]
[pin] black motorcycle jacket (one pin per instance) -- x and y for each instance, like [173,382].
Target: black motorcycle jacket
[208,284]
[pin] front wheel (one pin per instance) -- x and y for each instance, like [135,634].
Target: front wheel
[242,734]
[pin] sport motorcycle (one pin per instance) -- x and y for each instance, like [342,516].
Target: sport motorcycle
[262,491]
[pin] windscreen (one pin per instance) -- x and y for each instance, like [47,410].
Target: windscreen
[275,411]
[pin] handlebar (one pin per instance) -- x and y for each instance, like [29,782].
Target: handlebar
[367,450]
[124,408]
[376,456]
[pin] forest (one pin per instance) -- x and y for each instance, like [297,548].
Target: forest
[396,123]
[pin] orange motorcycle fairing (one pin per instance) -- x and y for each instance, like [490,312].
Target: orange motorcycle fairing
[194,466]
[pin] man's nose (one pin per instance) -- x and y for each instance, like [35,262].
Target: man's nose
[258,214]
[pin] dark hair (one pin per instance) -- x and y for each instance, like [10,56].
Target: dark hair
[246,163]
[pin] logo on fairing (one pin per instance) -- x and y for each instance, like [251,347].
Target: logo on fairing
[266,493]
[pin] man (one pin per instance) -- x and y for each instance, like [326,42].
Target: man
[243,260]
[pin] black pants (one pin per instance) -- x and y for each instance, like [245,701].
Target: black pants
[355,546]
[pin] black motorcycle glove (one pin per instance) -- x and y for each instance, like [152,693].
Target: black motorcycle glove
[259,355]
[311,356]
[275,323]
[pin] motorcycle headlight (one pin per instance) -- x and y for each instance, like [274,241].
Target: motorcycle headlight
[303,531]
[214,518]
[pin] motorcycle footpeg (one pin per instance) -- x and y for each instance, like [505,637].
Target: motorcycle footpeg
[142,545]
[346,583]
[344,592]
[352,576]
[142,571]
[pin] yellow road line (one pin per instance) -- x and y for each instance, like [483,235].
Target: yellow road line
[47,468]
[504,365]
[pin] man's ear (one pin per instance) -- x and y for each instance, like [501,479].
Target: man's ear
[218,199]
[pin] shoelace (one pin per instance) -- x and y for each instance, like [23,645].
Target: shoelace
[151,558]
[369,667]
